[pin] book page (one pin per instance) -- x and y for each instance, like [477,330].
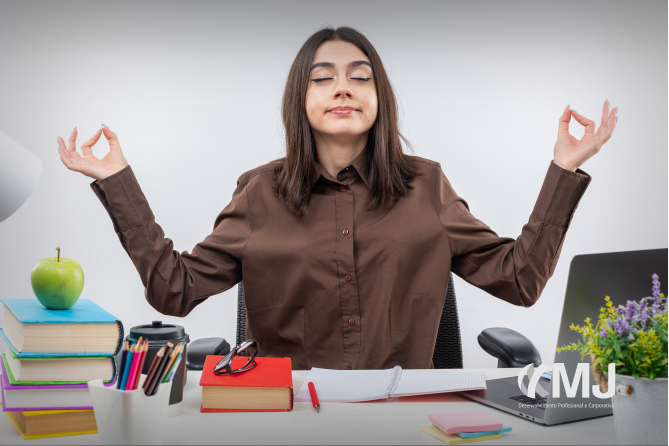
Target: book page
[346,386]
[414,382]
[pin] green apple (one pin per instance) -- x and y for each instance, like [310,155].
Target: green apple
[57,282]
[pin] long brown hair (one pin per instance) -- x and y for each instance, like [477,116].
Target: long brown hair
[390,170]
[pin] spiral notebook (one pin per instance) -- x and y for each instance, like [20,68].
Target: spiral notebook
[347,386]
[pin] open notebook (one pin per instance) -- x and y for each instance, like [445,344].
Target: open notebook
[346,386]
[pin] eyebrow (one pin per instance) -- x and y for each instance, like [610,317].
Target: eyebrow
[352,64]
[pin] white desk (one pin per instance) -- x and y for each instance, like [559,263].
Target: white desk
[396,421]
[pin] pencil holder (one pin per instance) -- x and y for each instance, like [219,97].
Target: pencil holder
[130,417]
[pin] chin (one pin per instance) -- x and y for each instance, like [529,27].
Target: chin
[345,130]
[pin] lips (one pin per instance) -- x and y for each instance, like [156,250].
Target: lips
[343,110]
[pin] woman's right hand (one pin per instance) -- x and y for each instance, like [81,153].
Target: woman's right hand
[89,165]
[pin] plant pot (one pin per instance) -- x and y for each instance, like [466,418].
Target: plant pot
[640,410]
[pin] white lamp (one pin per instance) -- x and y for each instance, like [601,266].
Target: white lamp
[20,172]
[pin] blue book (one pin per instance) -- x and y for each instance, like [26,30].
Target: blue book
[33,331]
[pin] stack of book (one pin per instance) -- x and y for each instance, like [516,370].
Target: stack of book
[52,356]
[464,427]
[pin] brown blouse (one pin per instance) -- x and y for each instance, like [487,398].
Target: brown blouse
[344,288]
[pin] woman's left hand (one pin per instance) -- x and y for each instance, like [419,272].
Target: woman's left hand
[570,153]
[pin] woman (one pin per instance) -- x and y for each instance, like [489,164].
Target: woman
[345,245]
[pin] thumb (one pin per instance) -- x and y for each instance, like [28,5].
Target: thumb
[111,138]
[563,126]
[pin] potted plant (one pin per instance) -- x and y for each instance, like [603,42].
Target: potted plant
[634,338]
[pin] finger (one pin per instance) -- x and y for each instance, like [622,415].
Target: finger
[609,120]
[605,112]
[111,138]
[66,155]
[606,130]
[563,125]
[589,124]
[71,144]
[87,146]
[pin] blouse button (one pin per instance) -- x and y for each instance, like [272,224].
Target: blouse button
[343,188]
[347,277]
[351,322]
[344,174]
[345,232]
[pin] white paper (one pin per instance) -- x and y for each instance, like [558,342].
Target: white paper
[345,386]
[412,382]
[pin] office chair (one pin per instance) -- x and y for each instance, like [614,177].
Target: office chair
[511,348]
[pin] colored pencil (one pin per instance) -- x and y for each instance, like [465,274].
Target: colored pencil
[124,356]
[164,370]
[176,366]
[152,370]
[175,354]
[170,367]
[135,363]
[158,376]
[142,360]
[128,364]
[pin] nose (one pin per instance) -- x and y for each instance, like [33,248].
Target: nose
[342,88]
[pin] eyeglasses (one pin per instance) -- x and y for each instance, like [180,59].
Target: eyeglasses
[224,367]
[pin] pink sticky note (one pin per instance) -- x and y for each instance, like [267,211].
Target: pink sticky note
[456,422]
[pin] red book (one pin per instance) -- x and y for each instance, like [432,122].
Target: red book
[268,387]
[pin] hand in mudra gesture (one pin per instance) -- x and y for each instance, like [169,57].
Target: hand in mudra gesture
[570,153]
[88,164]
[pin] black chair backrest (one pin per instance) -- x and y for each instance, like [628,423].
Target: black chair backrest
[447,350]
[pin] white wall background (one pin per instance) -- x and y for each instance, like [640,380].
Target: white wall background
[193,90]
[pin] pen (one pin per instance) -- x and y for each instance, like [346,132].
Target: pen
[314,397]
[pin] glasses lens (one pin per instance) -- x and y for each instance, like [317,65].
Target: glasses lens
[246,367]
[224,367]
[225,362]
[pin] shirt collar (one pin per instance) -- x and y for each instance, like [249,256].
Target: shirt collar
[360,164]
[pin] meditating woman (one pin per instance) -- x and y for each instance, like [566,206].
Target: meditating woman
[344,245]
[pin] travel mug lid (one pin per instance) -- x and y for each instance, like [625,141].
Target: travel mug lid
[157,331]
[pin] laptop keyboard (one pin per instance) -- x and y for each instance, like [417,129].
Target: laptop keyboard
[538,403]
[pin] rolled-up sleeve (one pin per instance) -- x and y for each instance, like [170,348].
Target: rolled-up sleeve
[174,282]
[513,270]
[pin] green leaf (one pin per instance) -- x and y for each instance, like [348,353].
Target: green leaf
[617,349]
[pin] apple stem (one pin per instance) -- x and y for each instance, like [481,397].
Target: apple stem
[58,259]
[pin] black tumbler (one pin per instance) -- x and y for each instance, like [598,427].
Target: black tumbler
[159,335]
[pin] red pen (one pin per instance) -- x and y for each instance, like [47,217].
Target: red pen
[314,397]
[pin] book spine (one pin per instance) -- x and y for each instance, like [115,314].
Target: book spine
[113,360]
[119,343]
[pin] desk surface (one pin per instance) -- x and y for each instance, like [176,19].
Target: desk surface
[396,421]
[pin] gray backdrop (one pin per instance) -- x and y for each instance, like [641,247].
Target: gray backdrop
[193,90]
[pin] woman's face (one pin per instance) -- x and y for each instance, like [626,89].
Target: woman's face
[341,77]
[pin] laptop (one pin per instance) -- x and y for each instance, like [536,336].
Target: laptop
[622,276]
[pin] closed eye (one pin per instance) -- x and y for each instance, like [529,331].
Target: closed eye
[320,79]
